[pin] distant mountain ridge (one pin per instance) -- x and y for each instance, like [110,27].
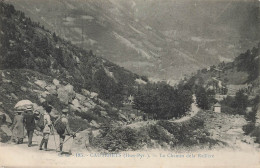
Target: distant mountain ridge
[133,35]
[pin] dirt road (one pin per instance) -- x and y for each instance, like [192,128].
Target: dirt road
[21,155]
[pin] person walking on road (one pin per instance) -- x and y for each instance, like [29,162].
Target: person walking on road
[62,127]
[29,121]
[47,127]
[18,127]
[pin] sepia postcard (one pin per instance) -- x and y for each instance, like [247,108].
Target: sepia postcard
[130,83]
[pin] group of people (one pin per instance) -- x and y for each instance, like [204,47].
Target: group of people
[28,119]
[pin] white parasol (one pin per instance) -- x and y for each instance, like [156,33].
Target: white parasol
[23,104]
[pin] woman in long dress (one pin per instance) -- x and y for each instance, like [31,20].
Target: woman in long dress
[18,128]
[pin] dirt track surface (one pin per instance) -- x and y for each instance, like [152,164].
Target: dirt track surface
[14,155]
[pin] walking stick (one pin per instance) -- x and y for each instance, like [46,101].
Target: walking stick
[68,138]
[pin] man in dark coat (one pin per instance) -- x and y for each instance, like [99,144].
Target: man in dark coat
[29,121]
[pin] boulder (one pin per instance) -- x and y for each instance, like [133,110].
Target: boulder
[114,109]
[95,133]
[44,94]
[14,96]
[88,104]
[5,133]
[80,97]
[54,112]
[42,100]
[37,91]
[74,108]
[103,113]
[76,103]
[41,83]
[85,92]
[85,109]
[51,89]
[91,102]
[122,116]
[23,88]
[94,124]
[93,95]
[66,94]
[56,82]
[100,107]
[103,102]
[6,81]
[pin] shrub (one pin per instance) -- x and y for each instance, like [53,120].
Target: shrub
[187,133]
[256,133]
[156,132]
[119,139]
[248,128]
[196,123]
[228,110]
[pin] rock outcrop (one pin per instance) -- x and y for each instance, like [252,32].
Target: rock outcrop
[66,94]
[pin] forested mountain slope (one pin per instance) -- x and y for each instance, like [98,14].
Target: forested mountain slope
[26,44]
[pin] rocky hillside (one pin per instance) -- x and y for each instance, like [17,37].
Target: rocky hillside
[134,35]
[85,107]
[27,44]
